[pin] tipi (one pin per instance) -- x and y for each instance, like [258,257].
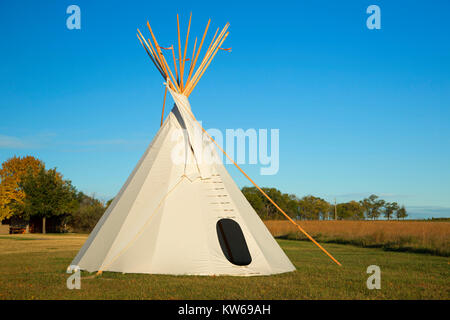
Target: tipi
[180,212]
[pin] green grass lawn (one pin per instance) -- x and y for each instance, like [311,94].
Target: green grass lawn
[36,270]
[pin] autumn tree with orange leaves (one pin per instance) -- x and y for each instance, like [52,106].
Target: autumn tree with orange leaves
[11,173]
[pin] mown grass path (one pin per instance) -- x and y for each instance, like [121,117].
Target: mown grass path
[36,270]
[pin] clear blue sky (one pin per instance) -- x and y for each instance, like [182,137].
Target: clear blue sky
[359,111]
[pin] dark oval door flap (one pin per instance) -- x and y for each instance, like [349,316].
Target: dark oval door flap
[232,242]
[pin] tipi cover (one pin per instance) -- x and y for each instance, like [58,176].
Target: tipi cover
[180,212]
[182,215]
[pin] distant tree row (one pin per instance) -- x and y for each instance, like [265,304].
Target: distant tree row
[315,208]
[374,207]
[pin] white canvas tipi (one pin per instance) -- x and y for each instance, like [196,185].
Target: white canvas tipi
[181,217]
[180,212]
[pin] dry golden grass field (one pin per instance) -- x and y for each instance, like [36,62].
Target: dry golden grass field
[413,236]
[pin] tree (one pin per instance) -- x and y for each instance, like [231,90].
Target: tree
[372,206]
[11,173]
[108,203]
[313,208]
[255,200]
[389,209]
[292,206]
[271,212]
[47,194]
[350,211]
[401,213]
[88,213]
[265,209]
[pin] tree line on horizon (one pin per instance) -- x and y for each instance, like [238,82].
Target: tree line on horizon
[28,190]
[314,208]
